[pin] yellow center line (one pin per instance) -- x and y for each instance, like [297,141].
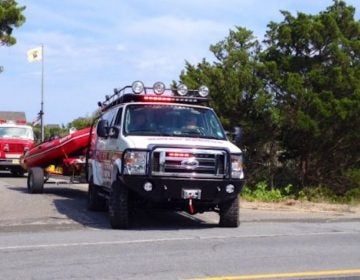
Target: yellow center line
[286,275]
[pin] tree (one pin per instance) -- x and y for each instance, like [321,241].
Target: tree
[313,71]
[239,96]
[297,99]
[81,122]
[10,17]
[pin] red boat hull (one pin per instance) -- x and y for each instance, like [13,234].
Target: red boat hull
[49,152]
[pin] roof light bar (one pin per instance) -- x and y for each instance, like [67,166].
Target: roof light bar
[180,99]
[158,98]
[157,93]
[18,122]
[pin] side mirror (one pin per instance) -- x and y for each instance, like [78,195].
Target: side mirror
[102,128]
[113,132]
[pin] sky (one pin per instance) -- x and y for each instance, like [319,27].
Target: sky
[92,47]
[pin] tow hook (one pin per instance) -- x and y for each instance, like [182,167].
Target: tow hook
[191,207]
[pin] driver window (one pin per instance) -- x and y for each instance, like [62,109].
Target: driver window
[118,117]
[109,116]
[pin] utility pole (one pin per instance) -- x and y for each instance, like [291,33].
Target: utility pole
[42,95]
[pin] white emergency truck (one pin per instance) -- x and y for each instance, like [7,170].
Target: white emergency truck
[163,148]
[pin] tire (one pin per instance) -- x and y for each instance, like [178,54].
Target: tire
[229,213]
[35,181]
[95,202]
[119,206]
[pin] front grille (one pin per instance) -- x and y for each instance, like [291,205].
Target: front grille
[177,162]
[16,148]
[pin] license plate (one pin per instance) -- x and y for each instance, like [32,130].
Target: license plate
[15,161]
[191,193]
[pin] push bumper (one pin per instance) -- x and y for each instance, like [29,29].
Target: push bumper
[165,189]
[9,162]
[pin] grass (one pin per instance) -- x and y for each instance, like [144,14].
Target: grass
[263,193]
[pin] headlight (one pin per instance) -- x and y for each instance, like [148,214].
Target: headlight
[135,163]
[237,171]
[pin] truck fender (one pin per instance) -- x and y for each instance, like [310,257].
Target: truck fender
[96,171]
[116,169]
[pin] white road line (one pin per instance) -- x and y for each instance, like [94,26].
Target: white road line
[139,241]
[40,246]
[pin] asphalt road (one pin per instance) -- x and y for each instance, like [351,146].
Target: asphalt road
[53,236]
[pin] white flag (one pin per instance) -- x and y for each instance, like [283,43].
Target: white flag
[34,54]
[36,121]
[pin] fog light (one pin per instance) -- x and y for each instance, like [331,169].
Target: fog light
[230,188]
[137,87]
[148,187]
[159,88]
[182,89]
[203,91]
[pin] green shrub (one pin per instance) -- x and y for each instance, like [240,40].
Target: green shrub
[353,176]
[261,192]
[353,196]
[317,194]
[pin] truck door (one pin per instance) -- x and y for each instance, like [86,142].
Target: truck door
[104,147]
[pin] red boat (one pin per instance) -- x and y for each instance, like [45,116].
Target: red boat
[57,151]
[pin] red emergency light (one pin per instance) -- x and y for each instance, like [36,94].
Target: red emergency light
[19,122]
[179,154]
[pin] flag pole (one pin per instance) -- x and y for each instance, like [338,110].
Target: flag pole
[42,95]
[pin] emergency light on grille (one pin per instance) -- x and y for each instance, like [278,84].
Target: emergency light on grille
[175,154]
[200,163]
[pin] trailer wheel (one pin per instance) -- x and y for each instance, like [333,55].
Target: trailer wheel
[35,181]
[229,213]
[119,206]
[95,201]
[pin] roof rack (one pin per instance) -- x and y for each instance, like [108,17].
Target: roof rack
[137,92]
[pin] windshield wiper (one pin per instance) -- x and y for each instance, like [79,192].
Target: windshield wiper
[210,137]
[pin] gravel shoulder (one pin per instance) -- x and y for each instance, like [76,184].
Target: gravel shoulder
[297,210]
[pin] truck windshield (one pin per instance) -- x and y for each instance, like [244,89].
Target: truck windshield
[16,132]
[172,120]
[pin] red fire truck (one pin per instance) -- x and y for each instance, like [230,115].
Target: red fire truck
[15,138]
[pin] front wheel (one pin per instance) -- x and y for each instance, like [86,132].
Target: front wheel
[119,206]
[229,213]
[35,180]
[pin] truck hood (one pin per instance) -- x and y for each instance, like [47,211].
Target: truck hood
[147,142]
